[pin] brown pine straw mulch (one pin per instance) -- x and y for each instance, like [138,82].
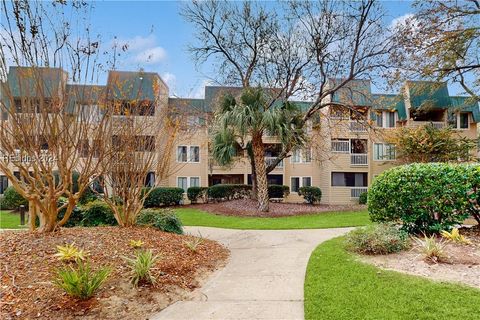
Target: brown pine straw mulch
[27,266]
[248,207]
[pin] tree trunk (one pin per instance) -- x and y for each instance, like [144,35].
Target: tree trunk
[254,183]
[262,185]
[32,215]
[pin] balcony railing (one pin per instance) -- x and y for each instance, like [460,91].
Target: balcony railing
[356,126]
[355,192]
[270,160]
[341,146]
[435,124]
[358,159]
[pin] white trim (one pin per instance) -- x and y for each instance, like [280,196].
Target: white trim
[300,182]
[188,153]
[458,121]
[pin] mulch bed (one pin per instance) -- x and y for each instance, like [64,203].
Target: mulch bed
[27,266]
[248,207]
[461,265]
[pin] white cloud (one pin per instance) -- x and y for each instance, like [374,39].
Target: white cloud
[401,21]
[171,81]
[150,56]
[199,91]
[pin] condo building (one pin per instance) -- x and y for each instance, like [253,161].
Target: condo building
[347,148]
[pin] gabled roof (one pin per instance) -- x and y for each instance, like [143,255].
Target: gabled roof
[466,104]
[428,94]
[393,102]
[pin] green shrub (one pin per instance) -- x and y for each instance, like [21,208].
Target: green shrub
[426,198]
[87,196]
[377,239]
[98,213]
[141,267]
[12,199]
[311,194]
[163,197]
[79,280]
[278,191]
[221,192]
[195,193]
[363,198]
[162,219]
[76,215]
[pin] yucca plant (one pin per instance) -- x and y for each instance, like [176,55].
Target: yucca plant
[193,244]
[136,244]
[142,267]
[81,281]
[70,253]
[454,236]
[432,250]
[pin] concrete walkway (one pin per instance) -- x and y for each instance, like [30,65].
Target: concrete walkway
[262,280]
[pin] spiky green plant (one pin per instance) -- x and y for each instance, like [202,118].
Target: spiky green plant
[455,236]
[432,250]
[80,281]
[193,243]
[70,253]
[142,266]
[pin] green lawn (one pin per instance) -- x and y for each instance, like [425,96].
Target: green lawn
[338,287]
[195,217]
[9,220]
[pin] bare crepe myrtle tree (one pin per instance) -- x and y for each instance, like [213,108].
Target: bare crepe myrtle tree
[140,138]
[48,126]
[297,52]
[440,42]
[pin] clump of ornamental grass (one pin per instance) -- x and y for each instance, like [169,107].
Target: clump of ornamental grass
[80,281]
[142,267]
[433,251]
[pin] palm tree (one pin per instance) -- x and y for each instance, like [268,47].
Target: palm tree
[244,123]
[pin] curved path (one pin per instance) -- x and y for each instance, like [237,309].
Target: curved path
[262,280]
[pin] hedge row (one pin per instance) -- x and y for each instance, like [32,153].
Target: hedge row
[426,197]
[163,197]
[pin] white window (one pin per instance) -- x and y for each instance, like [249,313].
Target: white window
[194,154]
[383,152]
[187,182]
[387,119]
[194,181]
[462,121]
[188,154]
[297,182]
[182,183]
[341,145]
[302,156]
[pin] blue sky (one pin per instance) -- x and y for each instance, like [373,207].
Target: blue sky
[159,37]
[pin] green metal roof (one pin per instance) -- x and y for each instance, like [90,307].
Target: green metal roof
[34,82]
[427,94]
[356,92]
[139,85]
[195,105]
[213,94]
[393,102]
[465,104]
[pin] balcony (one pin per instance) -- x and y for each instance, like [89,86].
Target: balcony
[359,159]
[355,192]
[356,126]
[341,146]
[435,124]
[270,160]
